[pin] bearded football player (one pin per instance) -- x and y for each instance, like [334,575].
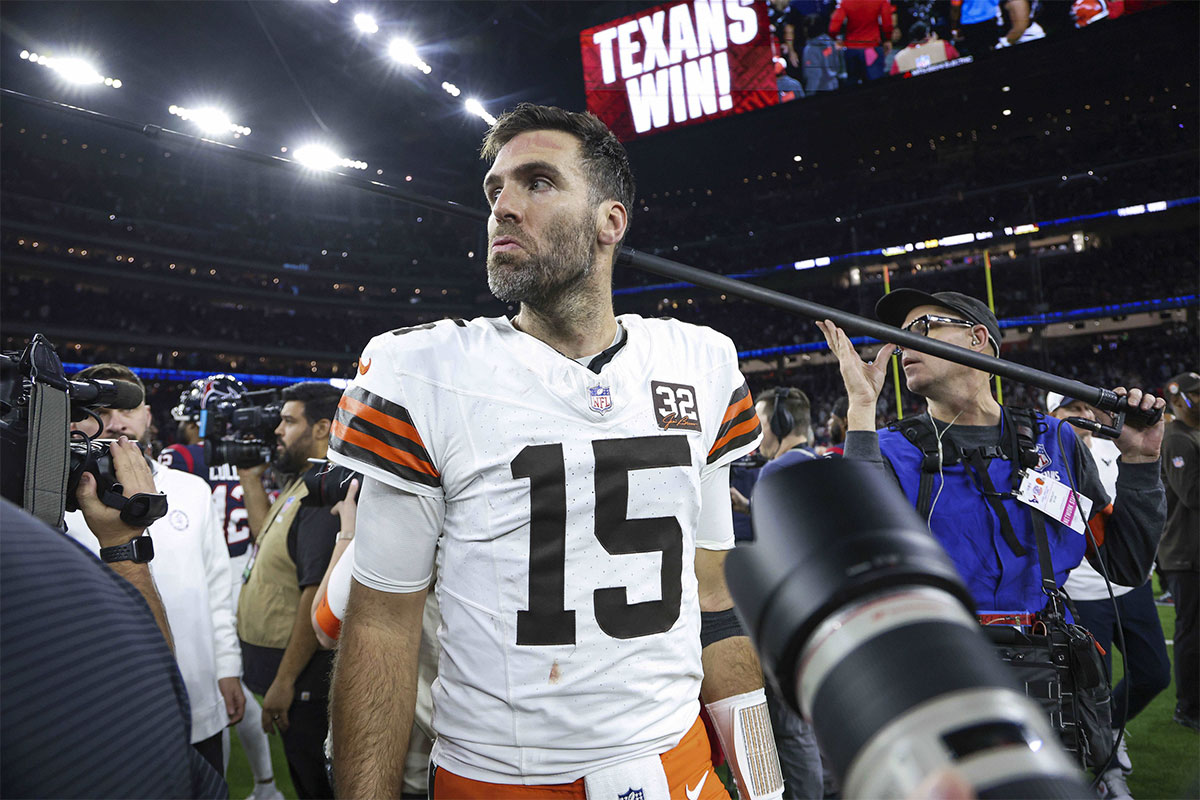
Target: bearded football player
[568,470]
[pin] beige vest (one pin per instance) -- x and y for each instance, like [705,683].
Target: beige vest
[267,605]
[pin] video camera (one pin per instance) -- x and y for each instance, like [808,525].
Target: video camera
[327,484]
[864,625]
[41,461]
[236,424]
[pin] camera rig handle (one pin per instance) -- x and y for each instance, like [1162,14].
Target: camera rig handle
[139,511]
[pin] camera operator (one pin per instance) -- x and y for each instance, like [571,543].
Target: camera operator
[282,658]
[75,639]
[991,538]
[191,567]
[974,469]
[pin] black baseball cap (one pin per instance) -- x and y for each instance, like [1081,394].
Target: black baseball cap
[893,307]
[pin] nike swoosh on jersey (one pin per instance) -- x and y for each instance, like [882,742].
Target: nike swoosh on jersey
[692,794]
[363,366]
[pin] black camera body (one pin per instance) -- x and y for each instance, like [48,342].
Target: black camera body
[37,405]
[327,483]
[90,456]
[238,426]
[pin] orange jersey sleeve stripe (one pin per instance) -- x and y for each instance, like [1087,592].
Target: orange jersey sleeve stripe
[326,619]
[737,408]
[395,455]
[380,419]
[737,430]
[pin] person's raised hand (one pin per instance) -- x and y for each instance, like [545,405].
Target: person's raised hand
[863,379]
[1138,445]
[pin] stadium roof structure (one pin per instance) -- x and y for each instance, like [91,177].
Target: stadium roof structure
[305,71]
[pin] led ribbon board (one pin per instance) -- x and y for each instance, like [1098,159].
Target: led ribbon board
[678,64]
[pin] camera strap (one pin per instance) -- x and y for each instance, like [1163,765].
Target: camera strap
[139,511]
[46,453]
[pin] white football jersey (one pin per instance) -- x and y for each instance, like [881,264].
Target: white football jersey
[570,619]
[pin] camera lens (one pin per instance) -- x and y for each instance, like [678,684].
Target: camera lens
[867,630]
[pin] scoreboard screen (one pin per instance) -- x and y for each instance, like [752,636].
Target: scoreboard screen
[679,64]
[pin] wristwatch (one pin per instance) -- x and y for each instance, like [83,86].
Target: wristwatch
[139,550]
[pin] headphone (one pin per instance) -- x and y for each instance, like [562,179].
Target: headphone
[782,420]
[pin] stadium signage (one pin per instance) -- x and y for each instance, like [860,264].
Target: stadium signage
[678,64]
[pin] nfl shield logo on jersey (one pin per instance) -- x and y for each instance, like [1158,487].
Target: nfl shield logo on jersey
[600,401]
[632,794]
[1043,457]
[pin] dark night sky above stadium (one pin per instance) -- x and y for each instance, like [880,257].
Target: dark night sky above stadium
[299,70]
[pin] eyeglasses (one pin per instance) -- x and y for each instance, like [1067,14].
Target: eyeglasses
[921,324]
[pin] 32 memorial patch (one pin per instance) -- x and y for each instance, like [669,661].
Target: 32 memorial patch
[675,406]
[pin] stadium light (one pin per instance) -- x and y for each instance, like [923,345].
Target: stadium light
[211,121]
[451,89]
[475,107]
[71,70]
[321,158]
[76,70]
[403,52]
[366,23]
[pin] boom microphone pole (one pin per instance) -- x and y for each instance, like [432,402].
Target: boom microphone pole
[1104,399]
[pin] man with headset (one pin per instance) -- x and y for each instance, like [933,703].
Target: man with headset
[785,415]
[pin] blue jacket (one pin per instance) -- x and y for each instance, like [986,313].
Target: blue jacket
[967,527]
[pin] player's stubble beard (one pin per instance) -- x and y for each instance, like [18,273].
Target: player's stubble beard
[544,278]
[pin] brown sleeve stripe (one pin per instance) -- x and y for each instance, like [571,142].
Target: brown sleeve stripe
[362,447]
[739,401]
[751,432]
[386,407]
[399,426]
[739,425]
[380,433]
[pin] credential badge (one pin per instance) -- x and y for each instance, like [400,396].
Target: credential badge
[600,399]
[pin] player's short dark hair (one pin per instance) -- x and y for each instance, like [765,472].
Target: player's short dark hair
[604,158]
[320,399]
[918,31]
[795,401]
[110,371]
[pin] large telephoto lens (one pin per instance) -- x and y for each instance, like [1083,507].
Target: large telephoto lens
[866,629]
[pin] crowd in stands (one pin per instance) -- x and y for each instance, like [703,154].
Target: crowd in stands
[972,188]
[216,263]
